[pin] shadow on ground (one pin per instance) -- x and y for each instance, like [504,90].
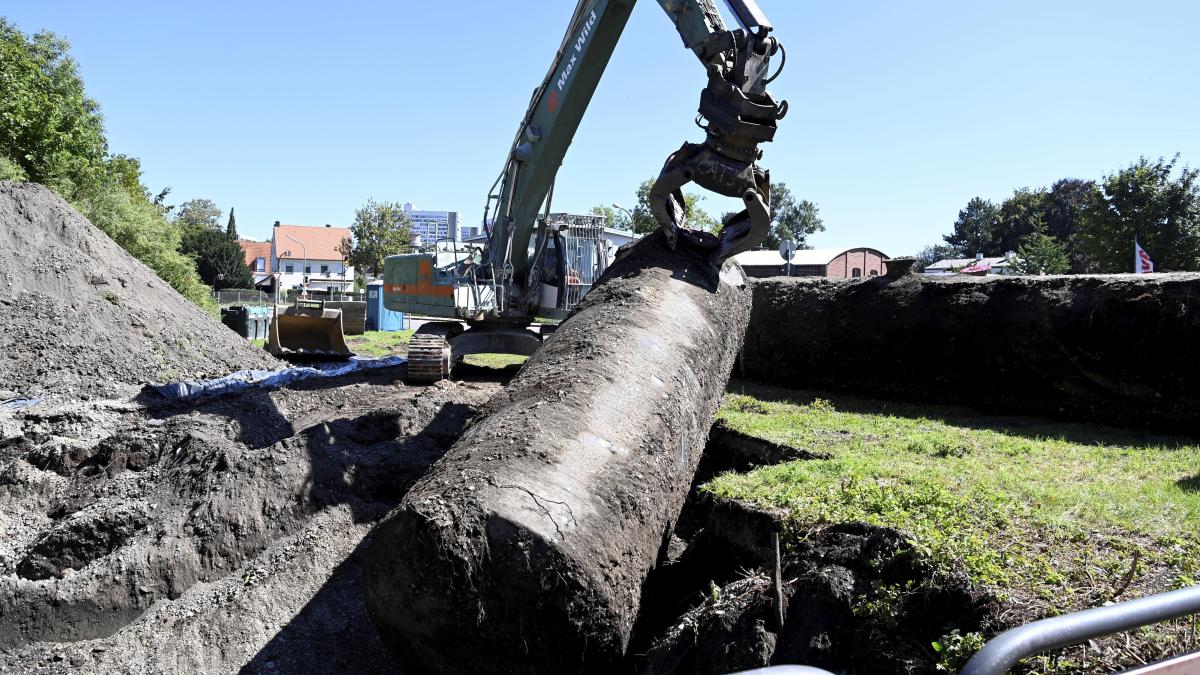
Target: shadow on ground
[1025,426]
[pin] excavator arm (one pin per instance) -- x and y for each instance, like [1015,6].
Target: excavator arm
[499,292]
[735,110]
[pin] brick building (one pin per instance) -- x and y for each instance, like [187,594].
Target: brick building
[835,263]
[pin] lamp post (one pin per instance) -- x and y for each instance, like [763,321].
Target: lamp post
[627,213]
[304,275]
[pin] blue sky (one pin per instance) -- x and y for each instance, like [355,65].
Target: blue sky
[900,112]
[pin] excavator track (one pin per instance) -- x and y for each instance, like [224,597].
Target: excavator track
[429,355]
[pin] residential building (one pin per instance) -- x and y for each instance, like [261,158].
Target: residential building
[432,226]
[979,265]
[834,263]
[301,253]
[258,259]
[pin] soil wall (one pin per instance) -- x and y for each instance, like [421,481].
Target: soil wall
[1118,349]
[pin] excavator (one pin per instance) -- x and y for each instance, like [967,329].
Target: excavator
[532,257]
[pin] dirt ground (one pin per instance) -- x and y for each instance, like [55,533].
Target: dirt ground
[219,536]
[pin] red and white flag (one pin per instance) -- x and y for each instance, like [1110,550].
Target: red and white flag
[1142,264]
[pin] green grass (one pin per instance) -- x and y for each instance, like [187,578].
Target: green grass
[498,361]
[376,343]
[1051,516]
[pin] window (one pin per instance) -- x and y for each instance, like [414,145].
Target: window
[874,273]
[289,268]
[324,269]
[260,264]
[308,269]
[856,273]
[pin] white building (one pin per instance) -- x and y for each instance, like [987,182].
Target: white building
[301,253]
[432,226]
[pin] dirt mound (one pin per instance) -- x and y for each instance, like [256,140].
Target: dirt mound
[82,316]
[210,536]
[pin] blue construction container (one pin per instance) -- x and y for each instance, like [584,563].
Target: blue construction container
[378,316]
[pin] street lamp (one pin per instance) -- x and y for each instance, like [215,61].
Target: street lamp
[627,213]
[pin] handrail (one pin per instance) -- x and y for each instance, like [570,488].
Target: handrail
[1002,652]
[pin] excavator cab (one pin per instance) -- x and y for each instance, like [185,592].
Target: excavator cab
[307,331]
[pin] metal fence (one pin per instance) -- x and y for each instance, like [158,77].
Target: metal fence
[287,297]
[242,296]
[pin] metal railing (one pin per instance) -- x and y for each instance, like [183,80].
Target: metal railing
[1003,651]
[241,296]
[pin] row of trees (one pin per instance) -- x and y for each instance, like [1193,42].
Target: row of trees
[790,218]
[52,133]
[1084,226]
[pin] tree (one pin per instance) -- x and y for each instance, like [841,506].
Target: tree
[52,133]
[346,250]
[932,254]
[791,219]
[1064,210]
[198,213]
[1019,216]
[48,126]
[1148,202]
[231,226]
[612,217]
[380,229]
[219,259]
[974,229]
[694,217]
[1041,253]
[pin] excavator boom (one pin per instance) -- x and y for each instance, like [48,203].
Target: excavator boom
[504,284]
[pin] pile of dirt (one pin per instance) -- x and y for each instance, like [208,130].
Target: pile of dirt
[210,536]
[82,317]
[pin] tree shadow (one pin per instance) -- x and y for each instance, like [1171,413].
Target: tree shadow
[1025,426]
[1189,483]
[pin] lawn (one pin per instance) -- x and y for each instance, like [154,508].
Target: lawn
[376,343]
[498,361]
[1050,516]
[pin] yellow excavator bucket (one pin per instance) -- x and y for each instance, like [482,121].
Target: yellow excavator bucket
[308,331]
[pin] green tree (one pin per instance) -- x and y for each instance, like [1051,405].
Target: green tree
[380,229]
[974,229]
[220,261]
[612,217]
[1019,216]
[791,219]
[52,133]
[1148,201]
[198,213]
[1066,204]
[10,170]
[231,226]
[695,217]
[932,254]
[1041,253]
[48,126]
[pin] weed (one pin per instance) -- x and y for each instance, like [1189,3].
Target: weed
[954,650]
